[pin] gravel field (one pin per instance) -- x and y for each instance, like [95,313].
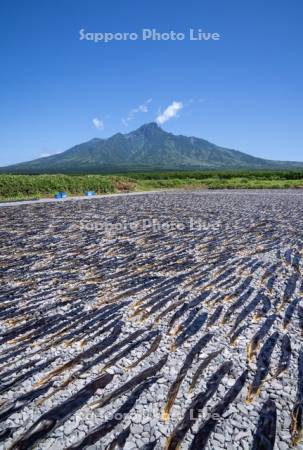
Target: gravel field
[170,320]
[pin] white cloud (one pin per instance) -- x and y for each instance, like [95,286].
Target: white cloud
[99,124]
[124,122]
[169,112]
[140,109]
[44,155]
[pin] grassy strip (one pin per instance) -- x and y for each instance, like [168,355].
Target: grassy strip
[15,187]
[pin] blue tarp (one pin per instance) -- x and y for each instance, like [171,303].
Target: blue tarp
[61,194]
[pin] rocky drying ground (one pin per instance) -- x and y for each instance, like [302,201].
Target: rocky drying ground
[169,320]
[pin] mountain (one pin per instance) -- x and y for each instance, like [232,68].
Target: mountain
[147,148]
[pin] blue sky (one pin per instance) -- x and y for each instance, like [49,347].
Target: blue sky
[244,91]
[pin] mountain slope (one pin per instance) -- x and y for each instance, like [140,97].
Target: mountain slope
[147,148]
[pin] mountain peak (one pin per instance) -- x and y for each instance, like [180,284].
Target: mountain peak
[149,127]
[147,148]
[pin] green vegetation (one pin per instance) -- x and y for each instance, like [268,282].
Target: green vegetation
[38,186]
[16,187]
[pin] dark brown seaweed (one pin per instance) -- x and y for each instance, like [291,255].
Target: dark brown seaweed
[233,338]
[59,414]
[102,430]
[300,318]
[149,446]
[142,376]
[19,379]
[83,355]
[201,438]
[285,356]
[153,347]
[174,389]
[263,364]
[289,312]
[202,366]
[296,427]
[214,317]
[128,349]
[190,416]
[265,435]
[6,433]
[246,312]
[264,309]
[290,287]
[236,305]
[16,405]
[192,329]
[119,441]
[260,334]
[179,313]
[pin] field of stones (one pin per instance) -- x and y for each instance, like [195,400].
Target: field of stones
[169,320]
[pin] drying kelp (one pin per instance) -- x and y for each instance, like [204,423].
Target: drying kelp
[149,446]
[130,384]
[153,347]
[119,442]
[296,261]
[289,312]
[236,305]
[59,414]
[270,271]
[260,334]
[198,300]
[265,307]
[191,329]
[192,314]
[68,292]
[245,313]
[202,366]
[265,435]
[179,313]
[290,287]
[297,412]
[201,438]
[96,434]
[178,434]
[129,348]
[83,355]
[104,355]
[19,379]
[169,309]
[234,337]
[285,355]
[213,319]
[300,317]
[288,256]
[271,282]
[16,405]
[263,365]
[243,286]
[173,391]
[5,434]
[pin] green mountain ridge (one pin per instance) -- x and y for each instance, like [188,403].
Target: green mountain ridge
[149,148]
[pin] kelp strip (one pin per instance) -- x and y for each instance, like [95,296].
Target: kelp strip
[59,414]
[265,435]
[100,431]
[174,389]
[263,364]
[190,416]
[201,438]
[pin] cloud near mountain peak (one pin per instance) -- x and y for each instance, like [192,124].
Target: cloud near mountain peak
[170,112]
